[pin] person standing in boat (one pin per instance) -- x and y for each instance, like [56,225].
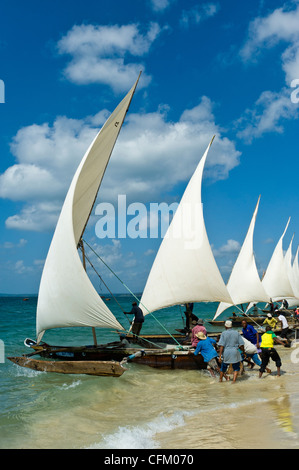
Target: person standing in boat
[229,344]
[138,318]
[190,317]
[270,321]
[196,329]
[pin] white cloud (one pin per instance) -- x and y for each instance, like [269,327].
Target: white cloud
[272,109]
[231,247]
[268,115]
[281,25]
[151,156]
[10,245]
[265,32]
[20,268]
[198,13]
[107,54]
[160,5]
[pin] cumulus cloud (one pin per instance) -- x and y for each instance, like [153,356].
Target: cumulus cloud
[152,156]
[231,247]
[281,25]
[265,32]
[107,54]
[272,109]
[269,113]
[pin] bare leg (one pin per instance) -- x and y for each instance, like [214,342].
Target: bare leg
[235,376]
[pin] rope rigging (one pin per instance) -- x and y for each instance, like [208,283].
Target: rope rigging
[129,290]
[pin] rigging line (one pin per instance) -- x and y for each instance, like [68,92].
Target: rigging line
[244,313]
[183,320]
[86,257]
[132,293]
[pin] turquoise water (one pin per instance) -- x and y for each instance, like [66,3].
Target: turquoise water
[145,408]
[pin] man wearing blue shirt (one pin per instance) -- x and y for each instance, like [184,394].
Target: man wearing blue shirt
[250,333]
[206,348]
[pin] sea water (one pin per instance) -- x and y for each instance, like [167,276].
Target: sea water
[145,408]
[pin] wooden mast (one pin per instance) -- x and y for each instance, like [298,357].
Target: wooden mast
[84,265]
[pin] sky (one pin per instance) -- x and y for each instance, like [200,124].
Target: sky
[223,68]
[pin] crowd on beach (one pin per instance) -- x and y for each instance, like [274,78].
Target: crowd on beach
[233,348]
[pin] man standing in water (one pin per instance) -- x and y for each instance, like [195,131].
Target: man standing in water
[268,351]
[230,342]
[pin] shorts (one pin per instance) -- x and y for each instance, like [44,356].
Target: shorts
[235,366]
[266,355]
[212,364]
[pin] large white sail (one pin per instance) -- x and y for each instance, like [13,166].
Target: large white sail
[66,295]
[295,268]
[184,269]
[244,284]
[276,281]
[292,275]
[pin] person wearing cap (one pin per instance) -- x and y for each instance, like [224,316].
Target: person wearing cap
[198,326]
[270,321]
[138,318]
[229,344]
[206,347]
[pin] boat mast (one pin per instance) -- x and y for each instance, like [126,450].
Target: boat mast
[81,245]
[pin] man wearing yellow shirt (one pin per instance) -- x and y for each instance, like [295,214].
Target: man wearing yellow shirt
[268,351]
[270,321]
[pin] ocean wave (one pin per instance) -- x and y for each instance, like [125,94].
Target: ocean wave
[142,437]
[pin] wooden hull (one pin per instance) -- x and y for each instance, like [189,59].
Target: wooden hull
[161,359]
[175,360]
[238,321]
[99,368]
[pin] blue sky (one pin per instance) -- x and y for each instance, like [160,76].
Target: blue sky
[222,67]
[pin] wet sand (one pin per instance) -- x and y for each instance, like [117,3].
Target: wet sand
[253,413]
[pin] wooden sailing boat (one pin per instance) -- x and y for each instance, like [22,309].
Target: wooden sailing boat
[66,297]
[185,269]
[169,283]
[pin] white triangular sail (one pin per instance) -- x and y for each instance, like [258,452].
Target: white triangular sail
[292,276]
[244,284]
[184,269]
[66,296]
[295,268]
[276,281]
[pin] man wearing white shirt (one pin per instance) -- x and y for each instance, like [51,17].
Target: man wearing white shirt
[284,326]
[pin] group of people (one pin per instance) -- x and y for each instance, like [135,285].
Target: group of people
[233,348]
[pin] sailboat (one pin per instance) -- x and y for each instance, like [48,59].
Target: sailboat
[185,269]
[292,275]
[244,284]
[276,280]
[66,296]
